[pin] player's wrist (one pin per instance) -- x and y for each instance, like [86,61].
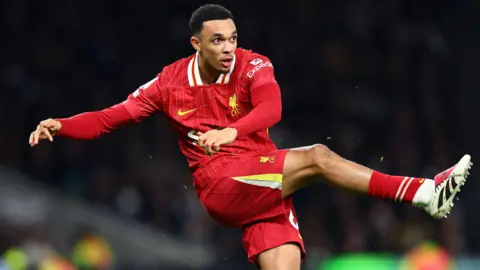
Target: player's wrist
[233,130]
[58,127]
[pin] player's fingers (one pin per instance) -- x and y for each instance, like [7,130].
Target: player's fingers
[216,146]
[51,126]
[47,134]
[33,138]
[201,140]
[36,135]
[208,152]
[209,145]
[202,143]
[30,139]
[40,134]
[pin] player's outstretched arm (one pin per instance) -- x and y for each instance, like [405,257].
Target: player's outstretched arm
[145,101]
[86,126]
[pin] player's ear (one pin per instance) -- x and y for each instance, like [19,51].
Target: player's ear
[195,41]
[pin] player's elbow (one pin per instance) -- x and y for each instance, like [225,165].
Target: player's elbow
[276,116]
[275,110]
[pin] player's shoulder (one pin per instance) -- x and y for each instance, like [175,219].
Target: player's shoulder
[249,57]
[251,62]
[175,73]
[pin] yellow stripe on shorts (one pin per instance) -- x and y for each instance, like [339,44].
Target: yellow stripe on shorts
[271,180]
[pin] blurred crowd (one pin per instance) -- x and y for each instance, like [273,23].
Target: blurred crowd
[370,79]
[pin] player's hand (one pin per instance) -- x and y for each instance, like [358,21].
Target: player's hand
[46,129]
[213,139]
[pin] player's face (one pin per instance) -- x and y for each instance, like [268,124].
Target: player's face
[217,44]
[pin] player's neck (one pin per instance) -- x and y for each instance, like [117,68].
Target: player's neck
[207,73]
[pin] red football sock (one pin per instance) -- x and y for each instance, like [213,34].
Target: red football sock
[397,188]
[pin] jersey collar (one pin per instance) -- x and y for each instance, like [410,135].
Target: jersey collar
[194,73]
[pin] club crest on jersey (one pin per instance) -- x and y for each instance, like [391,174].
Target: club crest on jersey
[232,102]
[265,159]
[256,61]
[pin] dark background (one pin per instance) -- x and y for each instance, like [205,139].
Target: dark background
[389,84]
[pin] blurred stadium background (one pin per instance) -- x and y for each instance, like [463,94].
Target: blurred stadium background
[392,84]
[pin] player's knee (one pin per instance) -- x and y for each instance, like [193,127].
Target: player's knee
[321,157]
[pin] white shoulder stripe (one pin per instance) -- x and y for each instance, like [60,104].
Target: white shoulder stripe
[196,71]
[189,73]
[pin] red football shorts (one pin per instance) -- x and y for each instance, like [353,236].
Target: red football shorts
[247,194]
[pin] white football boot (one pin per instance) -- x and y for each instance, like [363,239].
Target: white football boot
[447,186]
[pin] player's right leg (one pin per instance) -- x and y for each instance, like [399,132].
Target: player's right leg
[304,165]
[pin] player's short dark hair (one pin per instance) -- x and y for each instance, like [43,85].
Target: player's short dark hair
[206,13]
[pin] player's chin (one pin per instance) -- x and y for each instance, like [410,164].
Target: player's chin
[224,70]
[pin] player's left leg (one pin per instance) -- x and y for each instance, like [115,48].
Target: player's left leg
[250,197]
[304,165]
[275,243]
[285,257]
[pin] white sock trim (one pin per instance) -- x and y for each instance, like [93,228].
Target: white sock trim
[424,194]
[400,188]
[405,189]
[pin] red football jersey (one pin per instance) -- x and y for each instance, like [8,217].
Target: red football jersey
[191,106]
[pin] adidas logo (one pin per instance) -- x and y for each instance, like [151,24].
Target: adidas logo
[446,190]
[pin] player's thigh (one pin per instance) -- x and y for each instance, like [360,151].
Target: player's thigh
[235,204]
[301,167]
[284,257]
[247,191]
